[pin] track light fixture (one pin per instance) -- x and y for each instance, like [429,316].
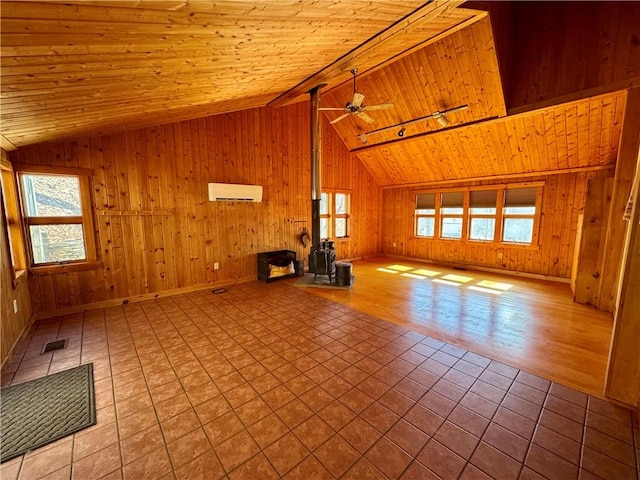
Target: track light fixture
[441,119]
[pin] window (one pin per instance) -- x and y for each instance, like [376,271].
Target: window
[324,215]
[518,215]
[57,214]
[482,215]
[426,215]
[334,214]
[451,214]
[505,213]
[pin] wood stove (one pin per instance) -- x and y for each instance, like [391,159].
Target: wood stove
[322,260]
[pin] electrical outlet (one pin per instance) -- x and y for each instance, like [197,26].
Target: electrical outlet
[394,244]
[216,266]
[15,305]
[500,255]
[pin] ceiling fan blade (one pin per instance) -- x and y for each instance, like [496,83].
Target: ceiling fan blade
[358,98]
[364,116]
[344,115]
[338,109]
[382,106]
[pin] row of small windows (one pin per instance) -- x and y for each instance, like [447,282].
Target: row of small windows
[483,215]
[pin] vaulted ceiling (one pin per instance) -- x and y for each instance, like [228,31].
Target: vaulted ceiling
[76,68]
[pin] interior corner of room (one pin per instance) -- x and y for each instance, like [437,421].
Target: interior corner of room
[455,99]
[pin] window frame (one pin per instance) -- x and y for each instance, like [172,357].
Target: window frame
[533,216]
[12,221]
[418,216]
[495,216]
[467,216]
[86,219]
[442,216]
[331,216]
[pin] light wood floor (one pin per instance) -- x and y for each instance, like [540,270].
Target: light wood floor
[534,326]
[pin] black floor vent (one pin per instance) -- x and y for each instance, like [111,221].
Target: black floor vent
[57,345]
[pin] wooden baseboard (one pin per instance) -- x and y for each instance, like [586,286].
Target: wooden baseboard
[137,298]
[481,269]
[25,329]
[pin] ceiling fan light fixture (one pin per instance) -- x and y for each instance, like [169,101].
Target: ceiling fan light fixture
[402,131]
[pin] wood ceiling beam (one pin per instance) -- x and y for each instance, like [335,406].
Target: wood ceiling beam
[577,96]
[348,61]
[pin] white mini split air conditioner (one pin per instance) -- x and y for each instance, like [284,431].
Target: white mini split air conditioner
[233,192]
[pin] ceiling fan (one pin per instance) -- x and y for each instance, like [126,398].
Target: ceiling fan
[355,106]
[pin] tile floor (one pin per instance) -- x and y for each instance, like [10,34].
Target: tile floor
[267,381]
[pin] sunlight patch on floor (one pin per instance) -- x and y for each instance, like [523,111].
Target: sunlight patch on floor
[495,285]
[457,278]
[453,279]
[386,270]
[411,275]
[446,282]
[426,273]
[400,268]
[485,290]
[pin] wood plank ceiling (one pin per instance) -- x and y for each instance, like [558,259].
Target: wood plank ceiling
[72,68]
[459,69]
[584,133]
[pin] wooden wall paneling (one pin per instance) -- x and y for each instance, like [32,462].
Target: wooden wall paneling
[13,324]
[560,206]
[209,217]
[625,167]
[91,282]
[623,370]
[186,242]
[181,234]
[149,190]
[167,177]
[589,267]
[572,210]
[110,227]
[559,49]
[132,231]
[198,128]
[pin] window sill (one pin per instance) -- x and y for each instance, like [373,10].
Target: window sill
[65,268]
